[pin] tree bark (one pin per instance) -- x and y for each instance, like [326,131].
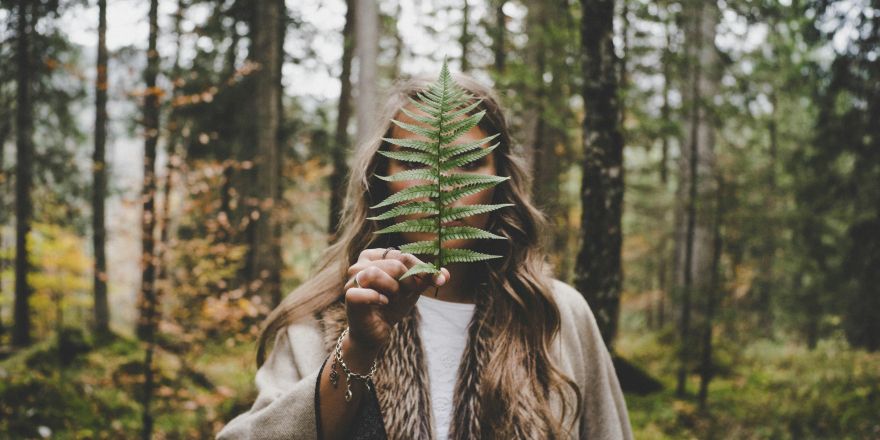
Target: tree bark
[697,164]
[598,273]
[99,177]
[367,30]
[706,369]
[465,39]
[149,301]
[340,144]
[499,37]
[24,129]
[264,266]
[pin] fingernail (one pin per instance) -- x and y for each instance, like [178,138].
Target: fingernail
[383,299]
[441,279]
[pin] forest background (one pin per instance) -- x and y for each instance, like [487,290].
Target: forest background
[711,170]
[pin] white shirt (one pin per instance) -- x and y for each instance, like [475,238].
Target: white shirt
[443,330]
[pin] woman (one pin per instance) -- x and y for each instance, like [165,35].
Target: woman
[502,351]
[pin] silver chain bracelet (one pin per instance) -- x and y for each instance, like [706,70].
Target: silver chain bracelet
[334,376]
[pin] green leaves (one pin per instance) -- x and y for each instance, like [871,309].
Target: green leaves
[442,114]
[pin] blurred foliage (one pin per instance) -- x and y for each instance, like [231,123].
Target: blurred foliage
[766,389]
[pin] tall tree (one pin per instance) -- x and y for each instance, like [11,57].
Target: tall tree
[598,273]
[367,30]
[149,302]
[712,296]
[343,115]
[265,52]
[499,35]
[465,38]
[99,178]
[697,167]
[24,144]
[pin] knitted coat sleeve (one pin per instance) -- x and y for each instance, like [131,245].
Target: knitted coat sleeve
[605,415]
[285,404]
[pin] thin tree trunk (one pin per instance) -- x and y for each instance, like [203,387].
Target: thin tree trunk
[340,144]
[706,369]
[367,33]
[99,177]
[265,267]
[765,306]
[24,175]
[662,267]
[598,273]
[174,160]
[499,37]
[5,130]
[465,38]
[399,45]
[149,301]
[699,157]
[623,74]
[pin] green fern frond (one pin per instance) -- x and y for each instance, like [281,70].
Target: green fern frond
[442,113]
[464,256]
[459,212]
[427,208]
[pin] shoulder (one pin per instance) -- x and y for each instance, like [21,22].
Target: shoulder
[576,315]
[571,301]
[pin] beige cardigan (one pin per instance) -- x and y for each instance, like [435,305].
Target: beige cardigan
[285,405]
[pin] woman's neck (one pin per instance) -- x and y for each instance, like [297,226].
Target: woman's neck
[459,287]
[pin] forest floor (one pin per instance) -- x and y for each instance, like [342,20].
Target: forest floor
[762,390]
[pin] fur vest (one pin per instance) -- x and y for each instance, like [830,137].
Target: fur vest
[401,381]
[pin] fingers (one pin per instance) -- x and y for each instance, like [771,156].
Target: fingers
[395,264]
[376,278]
[360,296]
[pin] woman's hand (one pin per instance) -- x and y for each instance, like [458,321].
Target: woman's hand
[381,301]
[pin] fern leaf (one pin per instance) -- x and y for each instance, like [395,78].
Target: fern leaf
[455,150]
[422,146]
[471,179]
[420,268]
[422,131]
[465,232]
[448,197]
[417,225]
[463,256]
[421,248]
[418,174]
[459,212]
[445,111]
[466,158]
[410,156]
[428,208]
[411,193]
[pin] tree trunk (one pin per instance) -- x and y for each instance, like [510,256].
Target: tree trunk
[264,267]
[706,369]
[99,177]
[697,171]
[367,32]
[662,267]
[163,280]
[24,130]
[149,301]
[465,38]
[598,272]
[499,37]
[340,144]
[5,130]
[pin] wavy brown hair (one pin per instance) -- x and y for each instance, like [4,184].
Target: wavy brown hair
[523,318]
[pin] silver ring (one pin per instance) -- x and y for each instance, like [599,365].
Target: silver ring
[389,250]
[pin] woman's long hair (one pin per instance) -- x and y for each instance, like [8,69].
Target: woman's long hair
[523,319]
